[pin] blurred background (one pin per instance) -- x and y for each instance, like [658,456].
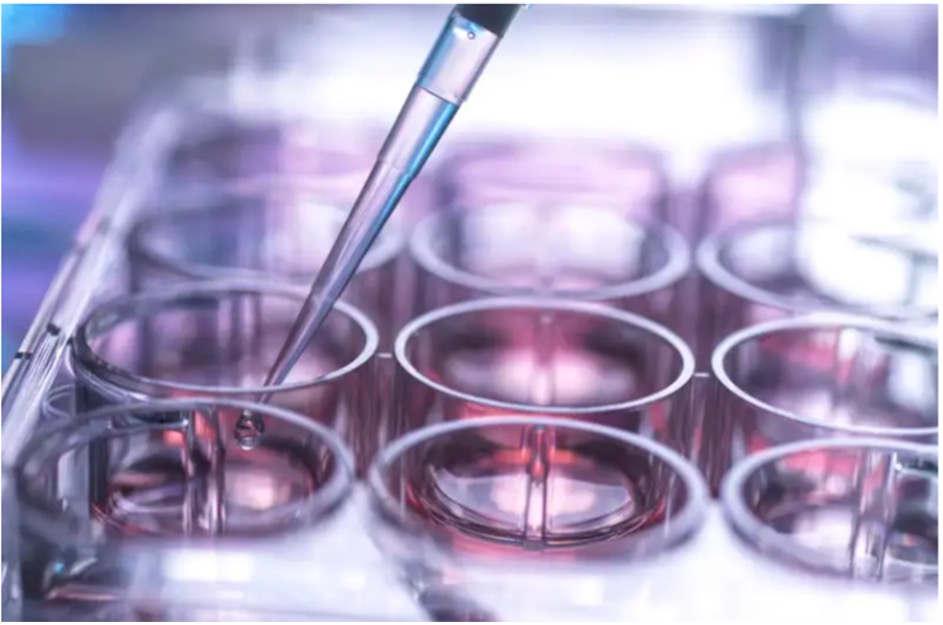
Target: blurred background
[858,82]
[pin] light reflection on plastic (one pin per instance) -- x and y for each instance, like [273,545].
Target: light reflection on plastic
[540,81]
[911,381]
[883,274]
[354,579]
[564,496]
[210,566]
[844,195]
[852,128]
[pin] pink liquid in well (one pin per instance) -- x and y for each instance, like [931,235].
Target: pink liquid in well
[158,495]
[508,501]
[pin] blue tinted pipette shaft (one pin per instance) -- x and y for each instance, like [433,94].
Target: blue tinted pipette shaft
[460,54]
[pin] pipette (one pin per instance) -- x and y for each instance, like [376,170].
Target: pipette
[460,54]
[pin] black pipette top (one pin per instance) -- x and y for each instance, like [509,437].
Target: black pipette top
[493,17]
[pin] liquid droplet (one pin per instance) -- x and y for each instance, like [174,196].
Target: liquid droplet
[249,430]
[471,35]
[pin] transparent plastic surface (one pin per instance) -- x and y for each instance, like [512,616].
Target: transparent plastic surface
[480,510]
[543,170]
[275,229]
[333,570]
[765,270]
[92,484]
[865,510]
[576,251]
[820,377]
[216,339]
[499,357]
